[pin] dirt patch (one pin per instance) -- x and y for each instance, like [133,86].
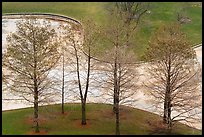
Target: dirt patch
[123,115]
[42,132]
[107,113]
[157,126]
[77,124]
[30,120]
[44,118]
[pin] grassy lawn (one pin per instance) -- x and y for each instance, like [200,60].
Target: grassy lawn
[77,10]
[161,12]
[101,120]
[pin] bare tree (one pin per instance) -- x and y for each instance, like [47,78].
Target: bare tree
[131,13]
[81,45]
[175,76]
[120,70]
[62,62]
[124,18]
[119,33]
[30,55]
[133,10]
[121,78]
[64,70]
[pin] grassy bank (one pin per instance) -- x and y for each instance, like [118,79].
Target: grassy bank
[160,12]
[101,120]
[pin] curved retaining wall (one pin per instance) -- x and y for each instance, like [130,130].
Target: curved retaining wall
[196,46]
[51,16]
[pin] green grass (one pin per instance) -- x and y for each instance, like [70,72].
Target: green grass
[101,120]
[77,10]
[161,12]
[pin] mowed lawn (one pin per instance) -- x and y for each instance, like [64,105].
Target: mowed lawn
[160,13]
[100,120]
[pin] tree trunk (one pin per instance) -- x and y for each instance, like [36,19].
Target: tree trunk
[63,101]
[117,121]
[118,100]
[167,93]
[117,117]
[36,113]
[63,83]
[83,120]
[114,102]
[165,111]
[169,116]
[35,91]
[115,84]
